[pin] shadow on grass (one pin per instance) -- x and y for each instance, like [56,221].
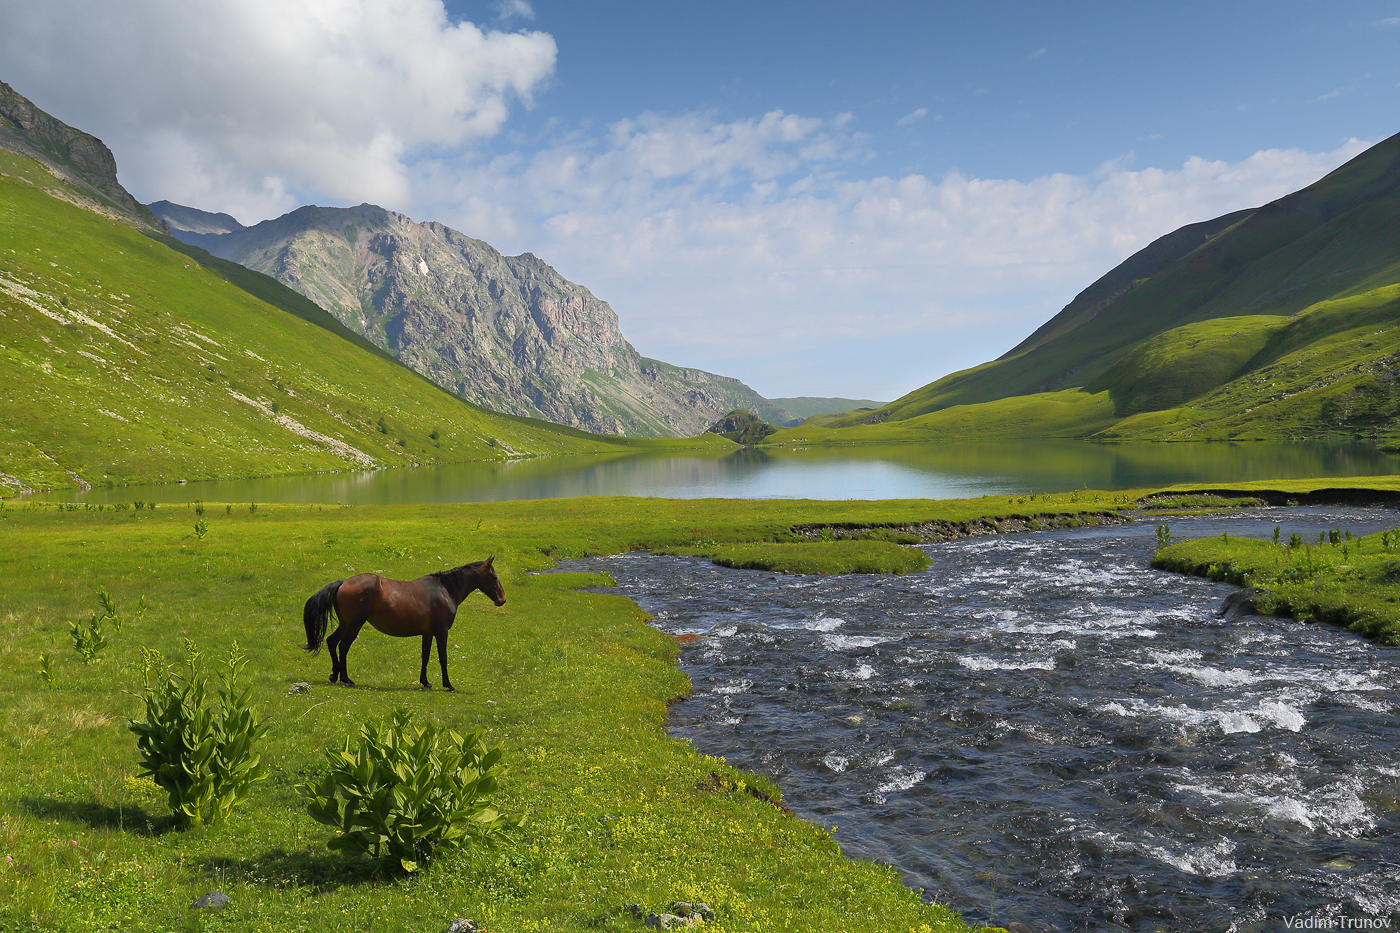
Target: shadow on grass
[96,815]
[318,871]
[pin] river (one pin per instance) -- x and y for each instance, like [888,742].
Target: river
[1042,729]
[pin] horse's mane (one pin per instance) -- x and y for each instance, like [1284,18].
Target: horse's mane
[454,576]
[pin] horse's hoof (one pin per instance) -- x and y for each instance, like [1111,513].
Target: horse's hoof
[334,678]
[423,684]
[346,682]
[449,688]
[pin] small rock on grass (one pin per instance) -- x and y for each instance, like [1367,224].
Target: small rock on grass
[462,925]
[214,900]
[299,687]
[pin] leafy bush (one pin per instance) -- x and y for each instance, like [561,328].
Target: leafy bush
[202,758]
[408,791]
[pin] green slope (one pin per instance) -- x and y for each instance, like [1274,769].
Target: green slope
[1070,413]
[1331,240]
[1184,363]
[126,361]
[1330,371]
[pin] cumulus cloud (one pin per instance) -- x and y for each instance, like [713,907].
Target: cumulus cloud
[248,106]
[747,248]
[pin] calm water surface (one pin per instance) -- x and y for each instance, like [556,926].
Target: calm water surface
[934,471]
[1043,727]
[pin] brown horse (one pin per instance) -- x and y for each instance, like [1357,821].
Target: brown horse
[426,606]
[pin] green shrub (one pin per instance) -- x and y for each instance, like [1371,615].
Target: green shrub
[202,758]
[408,791]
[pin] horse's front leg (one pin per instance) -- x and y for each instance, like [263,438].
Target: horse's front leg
[423,670]
[441,635]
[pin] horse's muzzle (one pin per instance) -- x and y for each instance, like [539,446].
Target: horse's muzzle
[499,602]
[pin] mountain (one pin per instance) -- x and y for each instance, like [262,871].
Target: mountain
[1185,325]
[805,406]
[126,360]
[80,159]
[507,332]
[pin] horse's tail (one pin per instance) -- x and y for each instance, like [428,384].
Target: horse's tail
[318,613]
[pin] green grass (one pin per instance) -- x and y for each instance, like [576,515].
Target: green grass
[574,684]
[126,361]
[1351,583]
[821,557]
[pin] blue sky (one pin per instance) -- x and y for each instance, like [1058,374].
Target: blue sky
[818,198]
[1022,89]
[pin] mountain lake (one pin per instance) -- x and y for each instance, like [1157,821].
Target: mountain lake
[948,470]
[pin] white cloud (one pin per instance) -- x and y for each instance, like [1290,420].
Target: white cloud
[721,244]
[913,117]
[244,105]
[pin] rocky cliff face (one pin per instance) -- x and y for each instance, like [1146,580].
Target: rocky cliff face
[77,157]
[506,332]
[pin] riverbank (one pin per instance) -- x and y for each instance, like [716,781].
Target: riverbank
[574,684]
[1345,580]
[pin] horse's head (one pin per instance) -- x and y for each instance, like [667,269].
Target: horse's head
[491,584]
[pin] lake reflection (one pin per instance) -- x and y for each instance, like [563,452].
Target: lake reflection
[888,471]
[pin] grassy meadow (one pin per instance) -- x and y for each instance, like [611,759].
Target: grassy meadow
[575,684]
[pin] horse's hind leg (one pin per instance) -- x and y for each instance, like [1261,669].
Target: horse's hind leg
[333,646]
[423,670]
[442,659]
[346,640]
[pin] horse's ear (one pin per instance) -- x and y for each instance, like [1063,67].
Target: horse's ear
[487,565]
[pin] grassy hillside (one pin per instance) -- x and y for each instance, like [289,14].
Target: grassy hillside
[1332,240]
[126,361]
[1184,363]
[1328,372]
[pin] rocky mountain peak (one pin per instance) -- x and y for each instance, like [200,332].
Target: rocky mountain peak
[79,158]
[507,332]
